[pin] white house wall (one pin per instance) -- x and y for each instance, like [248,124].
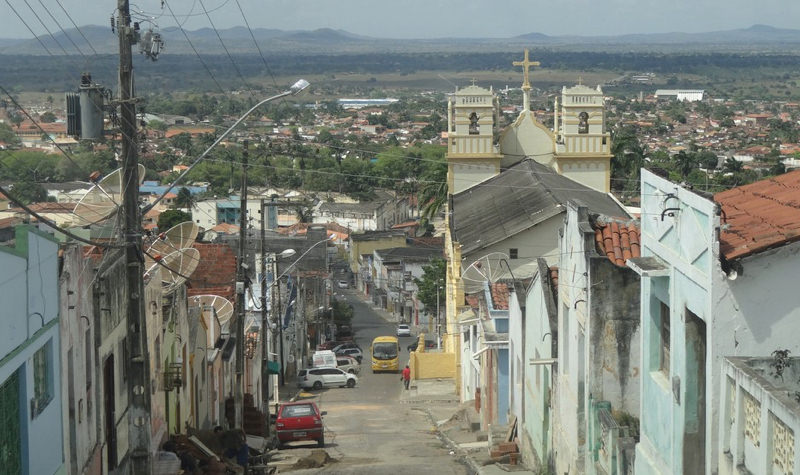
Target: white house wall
[32,286]
[538,380]
[79,394]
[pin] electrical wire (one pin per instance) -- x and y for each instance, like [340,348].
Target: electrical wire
[76,26]
[45,27]
[260,53]
[235,66]
[29,28]
[54,225]
[61,28]
[185,35]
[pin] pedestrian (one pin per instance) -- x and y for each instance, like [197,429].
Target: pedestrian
[406,378]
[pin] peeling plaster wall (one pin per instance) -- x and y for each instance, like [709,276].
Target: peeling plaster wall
[614,339]
[80,430]
[538,380]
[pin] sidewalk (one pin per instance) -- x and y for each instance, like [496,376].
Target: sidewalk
[457,424]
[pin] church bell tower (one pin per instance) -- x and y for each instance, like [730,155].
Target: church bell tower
[583,145]
[472,155]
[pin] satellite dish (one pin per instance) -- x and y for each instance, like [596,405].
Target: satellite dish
[180,236]
[482,270]
[103,199]
[222,306]
[174,267]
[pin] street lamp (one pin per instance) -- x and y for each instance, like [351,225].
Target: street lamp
[265,321]
[279,319]
[240,271]
[293,90]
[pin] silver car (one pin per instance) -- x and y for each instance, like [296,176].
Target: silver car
[318,378]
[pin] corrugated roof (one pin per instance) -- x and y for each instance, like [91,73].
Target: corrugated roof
[520,197]
[409,253]
[759,216]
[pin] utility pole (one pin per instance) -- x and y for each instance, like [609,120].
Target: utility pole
[137,362]
[240,302]
[280,331]
[264,324]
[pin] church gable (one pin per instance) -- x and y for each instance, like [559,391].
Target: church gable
[527,137]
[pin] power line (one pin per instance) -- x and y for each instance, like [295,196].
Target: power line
[60,28]
[244,17]
[69,157]
[28,27]
[54,225]
[185,35]
[235,66]
[76,26]
[45,27]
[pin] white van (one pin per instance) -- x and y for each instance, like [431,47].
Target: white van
[323,359]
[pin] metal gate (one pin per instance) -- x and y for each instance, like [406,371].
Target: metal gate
[10,446]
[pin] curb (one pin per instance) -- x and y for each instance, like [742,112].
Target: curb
[465,458]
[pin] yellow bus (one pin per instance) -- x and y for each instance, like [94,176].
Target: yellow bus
[385,354]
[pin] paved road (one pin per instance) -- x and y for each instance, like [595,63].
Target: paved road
[367,429]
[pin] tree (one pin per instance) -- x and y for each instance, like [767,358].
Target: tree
[7,134]
[432,284]
[686,162]
[29,192]
[185,199]
[156,124]
[47,117]
[342,311]
[172,217]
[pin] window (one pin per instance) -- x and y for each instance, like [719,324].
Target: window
[663,359]
[42,378]
[513,253]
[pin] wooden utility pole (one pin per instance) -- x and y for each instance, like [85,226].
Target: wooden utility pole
[240,298]
[137,361]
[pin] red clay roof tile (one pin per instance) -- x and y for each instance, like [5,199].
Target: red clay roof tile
[499,296]
[760,216]
[617,241]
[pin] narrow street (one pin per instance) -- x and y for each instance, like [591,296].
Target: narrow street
[368,429]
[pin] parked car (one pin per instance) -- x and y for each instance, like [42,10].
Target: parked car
[429,344]
[299,421]
[403,330]
[349,364]
[343,345]
[354,352]
[342,284]
[318,378]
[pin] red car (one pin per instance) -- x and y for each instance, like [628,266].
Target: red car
[300,421]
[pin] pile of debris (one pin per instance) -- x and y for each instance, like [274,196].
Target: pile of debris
[506,449]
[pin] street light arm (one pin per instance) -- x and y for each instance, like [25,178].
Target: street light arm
[294,89]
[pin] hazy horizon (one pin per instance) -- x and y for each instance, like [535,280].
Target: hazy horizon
[416,19]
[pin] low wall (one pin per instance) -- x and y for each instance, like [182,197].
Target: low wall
[431,365]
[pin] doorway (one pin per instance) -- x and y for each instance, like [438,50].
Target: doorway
[694,431]
[109,410]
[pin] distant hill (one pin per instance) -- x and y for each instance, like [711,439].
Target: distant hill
[325,41]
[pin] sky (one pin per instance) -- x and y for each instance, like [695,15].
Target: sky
[417,19]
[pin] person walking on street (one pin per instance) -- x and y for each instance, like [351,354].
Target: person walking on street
[406,378]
